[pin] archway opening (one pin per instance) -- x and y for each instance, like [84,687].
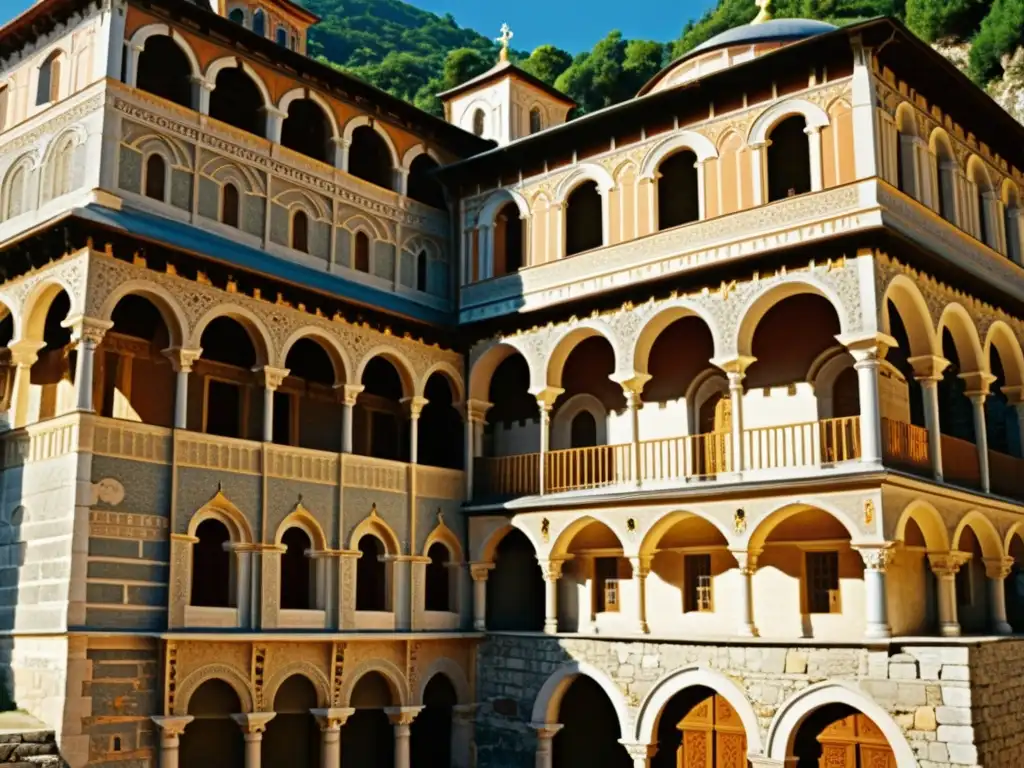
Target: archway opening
[946,166]
[700,728]
[308,409]
[369,157]
[138,383]
[224,385]
[380,423]
[839,735]
[155,187]
[678,190]
[479,122]
[368,736]
[584,219]
[307,130]
[423,184]
[789,159]
[593,582]
[512,421]
[213,738]
[432,728]
[1014,585]
[1002,428]
[164,70]
[293,736]
[590,732]
[372,576]
[916,587]
[905,401]
[515,588]
[440,582]
[52,376]
[236,100]
[213,575]
[972,605]
[298,583]
[956,420]
[361,258]
[508,240]
[441,435]
[230,206]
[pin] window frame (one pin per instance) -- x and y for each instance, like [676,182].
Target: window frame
[822,582]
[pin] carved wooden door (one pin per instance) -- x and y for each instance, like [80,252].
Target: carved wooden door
[854,742]
[713,736]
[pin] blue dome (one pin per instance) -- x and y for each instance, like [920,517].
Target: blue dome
[773,30]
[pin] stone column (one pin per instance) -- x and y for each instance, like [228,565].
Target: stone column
[275,123]
[171,729]
[876,606]
[702,194]
[271,378]
[545,400]
[401,718]
[747,564]
[181,362]
[552,572]
[928,372]
[413,408]
[331,722]
[976,389]
[24,355]
[339,157]
[757,174]
[545,735]
[201,90]
[253,725]
[131,64]
[475,414]
[997,569]
[350,392]
[463,728]
[87,333]
[640,754]
[867,354]
[479,572]
[632,386]
[945,566]
[735,369]
[814,149]
[641,568]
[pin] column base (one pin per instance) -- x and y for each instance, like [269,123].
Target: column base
[950,630]
[480,625]
[1002,628]
[642,628]
[747,630]
[550,626]
[878,632]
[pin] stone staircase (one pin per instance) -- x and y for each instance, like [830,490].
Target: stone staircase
[30,749]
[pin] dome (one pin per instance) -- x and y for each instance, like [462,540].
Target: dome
[774,30]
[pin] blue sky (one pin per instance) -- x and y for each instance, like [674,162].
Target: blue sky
[571,24]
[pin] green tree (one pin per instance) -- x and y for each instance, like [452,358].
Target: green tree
[935,19]
[546,63]
[1001,32]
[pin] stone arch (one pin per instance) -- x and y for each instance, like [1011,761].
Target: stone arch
[928,519]
[361,120]
[561,422]
[483,368]
[173,153]
[941,146]
[227,62]
[1010,194]
[984,530]
[496,201]
[545,708]
[374,525]
[1002,338]
[296,94]
[222,509]
[306,669]
[759,304]
[444,535]
[696,142]
[978,173]
[914,312]
[223,171]
[228,674]
[27,164]
[1017,529]
[668,686]
[760,531]
[581,173]
[453,376]
[37,304]
[258,332]
[815,116]
[961,327]
[490,544]
[562,542]
[170,309]
[650,331]
[388,670]
[405,369]
[906,119]
[60,152]
[663,524]
[300,517]
[451,670]
[142,34]
[567,342]
[793,712]
[369,226]
[314,206]
[335,351]
[415,151]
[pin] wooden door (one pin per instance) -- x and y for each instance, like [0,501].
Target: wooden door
[854,742]
[713,736]
[715,423]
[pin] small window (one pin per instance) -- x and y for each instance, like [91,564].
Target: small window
[259,22]
[421,271]
[362,260]
[478,122]
[606,584]
[300,231]
[823,582]
[156,178]
[282,37]
[535,123]
[697,573]
[611,595]
[4,91]
[237,15]
[229,205]
[48,87]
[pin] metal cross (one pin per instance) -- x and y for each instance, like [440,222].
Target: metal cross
[504,39]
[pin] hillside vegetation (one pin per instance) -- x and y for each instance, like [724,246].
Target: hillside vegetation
[414,54]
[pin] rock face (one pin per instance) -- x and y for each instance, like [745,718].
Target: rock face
[31,749]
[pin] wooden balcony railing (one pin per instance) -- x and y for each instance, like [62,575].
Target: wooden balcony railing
[906,445]
[1006,475]
[674,458]
[829,441]
[960,462]
[508,475]
[592,467]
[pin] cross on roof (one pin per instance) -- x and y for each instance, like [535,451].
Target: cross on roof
[765,14]
[504,39]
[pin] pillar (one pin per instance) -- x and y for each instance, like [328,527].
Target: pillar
[331,722]
[24,355]
[545,400]
[131,64]
[350,393]
[757,173]
[253,725]
[181,362]
[275,123]
[928,372]
[339,157]
[552,572]
[814,148]
[414,407]
[479,572]
[171,729]
[867,355]
[640,754]
[945,566]
[747,562]
[997,569]
[545,735]
[463,728]
[735,369]
[201,90]
[632,386]
[977,387]
[271,379]
[401,718]
[876,606]
[702,194]
[87,333]
[641,568]
[475,414]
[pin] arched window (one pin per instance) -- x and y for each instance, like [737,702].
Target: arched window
[906,164]
[307,130]
[229,205]
[789,159]
[236,100]
[259,22]
[16,185]
[535,120]
[48,85]
[156,177]
[296,571]
[422,265]
[300,231]
[371,575]
[945,164]
[369,157]
[237,15]
[362,252]
[211,565]
[584,214]
[479,122]
[583,430]
[508,240]
[281,37]
[678,190]
[439,582]
[62,173]
[1011,217]
[164,71]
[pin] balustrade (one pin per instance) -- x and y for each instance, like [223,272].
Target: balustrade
[906,446]
[812,443]
[960,462]
[591,467]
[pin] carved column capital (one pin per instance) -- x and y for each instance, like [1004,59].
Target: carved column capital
[928,367]
[414,406]
[350,392]
[332,719]
[90,330]
[172,725]
[480,571]
[998,568]
[402,715]
[551,570]
[946,564]
[253,722]
[546,731]
[546,397]
[271,378]
[181,359]
[24,353]
[877,557]
[746,560]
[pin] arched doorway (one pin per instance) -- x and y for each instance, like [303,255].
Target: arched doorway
[231,407]
[138,383]
[380,425]
[432,728]
[838,736]
[440,431]
[699,728]
[590,732]
[372,586]
[515,588]
[307,407]
[213,738]
[292,738]
[213,576]
[367,737]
